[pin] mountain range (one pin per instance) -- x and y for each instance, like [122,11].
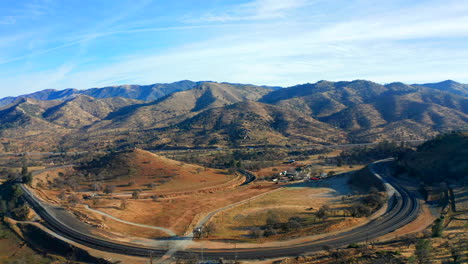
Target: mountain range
[189,114]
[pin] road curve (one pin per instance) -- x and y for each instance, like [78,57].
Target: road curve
[249,177]
[402,209]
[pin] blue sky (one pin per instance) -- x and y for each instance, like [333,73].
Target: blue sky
[94,43]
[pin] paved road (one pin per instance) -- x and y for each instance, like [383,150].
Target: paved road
[249,177]
[402,209]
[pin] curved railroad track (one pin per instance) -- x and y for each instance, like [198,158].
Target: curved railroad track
[402,209]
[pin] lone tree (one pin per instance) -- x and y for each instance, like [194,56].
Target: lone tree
[26,176]
[123,204]
[24,170]
[109,189]
[73,199]
[95,200]
[62,195]
[456,252]
[17,193]
[209,229]
[438,227]
[409,240]
[136,194]
[323,212]
[256,233]
[273,220]
[423,251]
[293,224]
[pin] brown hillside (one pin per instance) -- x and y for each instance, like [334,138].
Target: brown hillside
[394,131]
[138,169]
[251,123]
[181,105]
[22,123]
[357,117]
[84,110]
[221,114]
[369,111]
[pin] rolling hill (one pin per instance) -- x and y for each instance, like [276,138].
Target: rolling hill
[448,86]
[22,125]
[84,110]
[38,125]
[138,169]
[214,114]
[442,159]
[138,92]
[178,106]
[371,112]
[251,123]
[145,93]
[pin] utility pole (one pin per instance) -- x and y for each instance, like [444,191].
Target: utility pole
[367,236]
[235,252]
[201,244]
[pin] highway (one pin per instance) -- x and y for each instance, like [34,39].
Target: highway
[403,208]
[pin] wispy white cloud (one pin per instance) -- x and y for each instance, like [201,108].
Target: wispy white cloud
[276,54]
[26,11]
[255,10]
[408,44]
[39,80]
[448,19]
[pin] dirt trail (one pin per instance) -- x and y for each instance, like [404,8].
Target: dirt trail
[165,230]
[187,241]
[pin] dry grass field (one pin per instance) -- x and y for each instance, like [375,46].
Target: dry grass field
[175,195]
[178,214]
[175,203]
[301,200]
[138,169]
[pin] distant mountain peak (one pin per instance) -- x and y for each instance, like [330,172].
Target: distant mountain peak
[448,86]
[138,92]
[193,114]
[450,82]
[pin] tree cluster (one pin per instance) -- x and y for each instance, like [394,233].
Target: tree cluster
[365,155]
[12,202]
[274,226]
[442,159]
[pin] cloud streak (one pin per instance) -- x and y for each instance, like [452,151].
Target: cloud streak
[256,10]
[263,42]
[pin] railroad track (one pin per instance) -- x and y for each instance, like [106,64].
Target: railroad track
[403,208]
